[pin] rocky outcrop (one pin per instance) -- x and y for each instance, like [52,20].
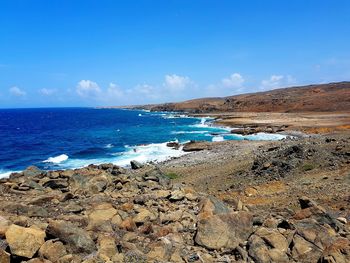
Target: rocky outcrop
[108,214]
[195,146]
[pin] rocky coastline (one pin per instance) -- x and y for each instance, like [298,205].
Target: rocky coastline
[168,212]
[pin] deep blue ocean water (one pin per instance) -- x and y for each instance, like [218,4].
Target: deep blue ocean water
[74,137]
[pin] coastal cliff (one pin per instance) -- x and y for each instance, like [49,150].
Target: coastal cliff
[312,98]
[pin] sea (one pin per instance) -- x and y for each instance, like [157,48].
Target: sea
[65,138]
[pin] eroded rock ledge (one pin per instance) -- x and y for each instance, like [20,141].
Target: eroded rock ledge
[108,214]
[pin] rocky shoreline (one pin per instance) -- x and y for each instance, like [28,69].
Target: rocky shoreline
[156,213]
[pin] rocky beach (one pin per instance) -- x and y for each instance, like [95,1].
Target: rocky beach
[231,201]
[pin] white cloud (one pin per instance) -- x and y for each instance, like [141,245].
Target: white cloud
[87,88]
[277,81]
[113,91]
[47,92]
[146,91]
[177,83]
[15,91]
[235,80]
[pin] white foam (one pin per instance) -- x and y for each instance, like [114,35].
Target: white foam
[156,152]
[140,115]
[261,136]
[218,139]
[58,159]
[109,145]
[189,132]
[4,174]
[174,116]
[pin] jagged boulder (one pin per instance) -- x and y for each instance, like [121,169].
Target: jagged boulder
[24,241]
[77,238]
[221,228]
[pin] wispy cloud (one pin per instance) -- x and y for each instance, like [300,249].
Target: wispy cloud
[47,92]
[277,81]
[16,91]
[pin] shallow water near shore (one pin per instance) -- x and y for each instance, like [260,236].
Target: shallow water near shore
[66,138]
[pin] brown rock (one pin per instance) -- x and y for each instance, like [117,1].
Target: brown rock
[224,231]
[4,256]
[177,195]
[39,260]
[77,238]
[4,225]
[52,250]
[70,259]
[273,238]
[268,245]
[128,224]
[100,218]
[304,251]
[106,247]
[338,252]
[195,146]
[23,241]
[144,215]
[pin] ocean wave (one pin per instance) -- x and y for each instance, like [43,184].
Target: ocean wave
[57,159]
[5,174]
[156,152]
[189,132]
[218,139]
[261,136]
[175,116]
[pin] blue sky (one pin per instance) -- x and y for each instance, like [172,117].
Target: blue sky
[91,53]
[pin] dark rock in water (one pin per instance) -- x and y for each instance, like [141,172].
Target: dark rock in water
[174,145]
[32,171]
[77,238]
[135,165]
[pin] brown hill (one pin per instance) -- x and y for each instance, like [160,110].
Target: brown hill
[312,98]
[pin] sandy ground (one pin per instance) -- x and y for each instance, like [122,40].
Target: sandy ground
[311,122]
[226,171]
[322,171]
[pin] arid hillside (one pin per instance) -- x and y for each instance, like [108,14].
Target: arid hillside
[313,98]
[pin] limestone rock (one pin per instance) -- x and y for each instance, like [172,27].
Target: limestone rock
[23,241]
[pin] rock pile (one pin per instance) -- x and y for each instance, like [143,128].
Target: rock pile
[108,214]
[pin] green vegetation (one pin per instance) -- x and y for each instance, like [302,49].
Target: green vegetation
[172,175]
[308,166]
